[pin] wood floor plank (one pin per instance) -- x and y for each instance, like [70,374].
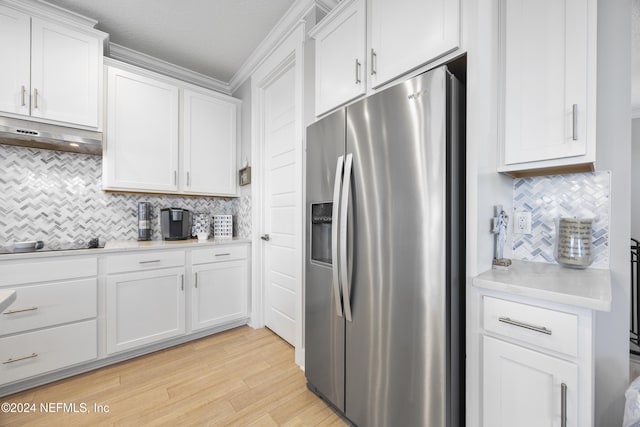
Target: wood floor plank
[242,377]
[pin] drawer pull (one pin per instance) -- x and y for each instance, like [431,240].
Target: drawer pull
[540,329]
[149,262]
[226,254]
[20,310]
[11,360]
[563,405]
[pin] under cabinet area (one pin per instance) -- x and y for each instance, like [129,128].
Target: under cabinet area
[165,136]
[54,72]
[548,86]
[363,44]
[52,323]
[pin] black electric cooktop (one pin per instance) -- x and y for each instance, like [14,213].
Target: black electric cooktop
[41,246]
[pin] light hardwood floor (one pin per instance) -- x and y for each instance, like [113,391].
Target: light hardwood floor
[242,377]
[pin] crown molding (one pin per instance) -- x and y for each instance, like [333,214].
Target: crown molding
[139,59]
[42,9]
[291,19]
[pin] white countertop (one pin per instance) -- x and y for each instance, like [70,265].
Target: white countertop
[588,288]
[7,297]
[118,246]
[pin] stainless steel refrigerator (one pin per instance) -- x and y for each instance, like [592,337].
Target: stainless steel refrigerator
[384,301]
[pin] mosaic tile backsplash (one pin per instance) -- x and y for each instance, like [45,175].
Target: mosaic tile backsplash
[585,195]
[57,196]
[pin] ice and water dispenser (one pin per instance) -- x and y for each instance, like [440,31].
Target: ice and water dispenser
[321,232]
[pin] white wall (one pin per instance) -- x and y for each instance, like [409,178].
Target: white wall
[635,178]
[614,153]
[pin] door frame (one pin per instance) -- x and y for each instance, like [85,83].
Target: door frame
[286,55]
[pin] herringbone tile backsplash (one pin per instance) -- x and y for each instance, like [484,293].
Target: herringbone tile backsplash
[584,195]
[57,196]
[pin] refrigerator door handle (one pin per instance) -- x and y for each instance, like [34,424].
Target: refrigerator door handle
[334,234]
[344,209]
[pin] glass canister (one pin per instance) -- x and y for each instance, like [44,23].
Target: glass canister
[144,221]
[573,242]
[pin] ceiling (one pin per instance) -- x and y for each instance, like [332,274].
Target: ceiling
[211,37]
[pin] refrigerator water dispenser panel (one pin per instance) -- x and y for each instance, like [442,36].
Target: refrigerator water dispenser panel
[321,232]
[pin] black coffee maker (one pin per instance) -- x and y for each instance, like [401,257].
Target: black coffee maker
[176,223]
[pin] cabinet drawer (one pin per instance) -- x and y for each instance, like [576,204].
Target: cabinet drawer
[215,254]
[52,304]
[144,261]
[548,329]
[34,353]
[60,268]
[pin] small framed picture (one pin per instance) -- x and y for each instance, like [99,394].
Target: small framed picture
[245,175]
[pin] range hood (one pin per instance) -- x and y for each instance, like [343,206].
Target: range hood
[49,137]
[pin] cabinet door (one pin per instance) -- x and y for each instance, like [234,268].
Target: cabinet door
[65,74]
[219,293]
[408,33]
[142,134]
[522,387]
[15,45]
[144,307]
[546,96]
[340,56]
[209,144]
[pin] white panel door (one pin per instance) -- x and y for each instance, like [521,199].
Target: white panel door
[281,151]
[546,45]
[408,33]
[142,134]
[209,144]
[523,388]
[65,66]
[15,45]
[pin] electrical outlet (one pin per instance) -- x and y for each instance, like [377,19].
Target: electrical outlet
[522,223]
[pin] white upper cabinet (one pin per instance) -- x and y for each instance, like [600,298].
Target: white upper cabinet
[141,150]
[54,73]
[164,136]
[549,87]
[363,44]
[208,144]
[340,56]
[408,33]
[15,43]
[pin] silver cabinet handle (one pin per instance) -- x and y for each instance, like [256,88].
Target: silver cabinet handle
[23,92]
[17,359]
[344,209]
[151,261]
[337,182]
[563,405]
[182,282]
[20,310]
[265,237]
[225,254]
[575,122]
[175,177]
[358,72]
[374,62]
[195,280]
[188,180]
[35,98]
[540,329]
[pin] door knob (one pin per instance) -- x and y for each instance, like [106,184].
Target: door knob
[265,237]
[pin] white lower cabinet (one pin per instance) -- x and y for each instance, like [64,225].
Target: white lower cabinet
[144,307]
[524,388]
[52,323]
[219,293]
[33,353]
[537,363]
